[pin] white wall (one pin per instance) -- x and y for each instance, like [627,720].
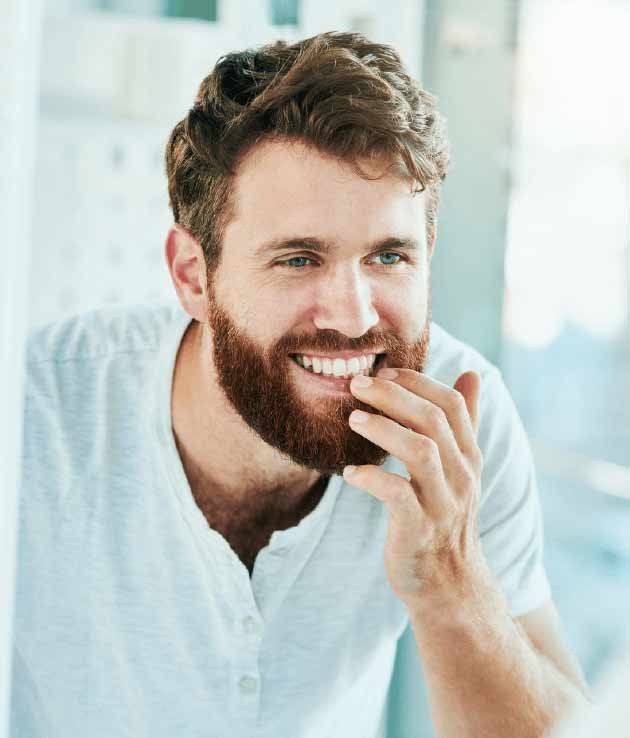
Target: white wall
[19,57]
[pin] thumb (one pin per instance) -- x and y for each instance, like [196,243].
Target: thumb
[468,384]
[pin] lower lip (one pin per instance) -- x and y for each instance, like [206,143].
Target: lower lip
[323,382]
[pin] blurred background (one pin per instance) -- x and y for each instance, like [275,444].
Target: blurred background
[533,254]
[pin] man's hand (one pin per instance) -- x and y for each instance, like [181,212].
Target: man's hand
[485,677]
[433,553]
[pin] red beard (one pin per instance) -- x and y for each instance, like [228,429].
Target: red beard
[262,389]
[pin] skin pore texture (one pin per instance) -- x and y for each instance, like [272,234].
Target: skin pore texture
[259,435]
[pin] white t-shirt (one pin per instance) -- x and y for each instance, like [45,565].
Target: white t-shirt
[135,618]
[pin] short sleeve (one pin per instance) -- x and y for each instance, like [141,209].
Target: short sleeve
[509,518]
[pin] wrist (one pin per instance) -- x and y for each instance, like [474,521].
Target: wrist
[456,602]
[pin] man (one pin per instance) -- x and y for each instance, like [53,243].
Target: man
[225,526]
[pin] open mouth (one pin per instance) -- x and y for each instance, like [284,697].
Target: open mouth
[328,371]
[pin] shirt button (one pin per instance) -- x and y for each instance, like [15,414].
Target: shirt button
[250,625]
[247,684]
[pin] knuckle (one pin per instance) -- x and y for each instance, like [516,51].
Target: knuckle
[426,448]
[469,482]
[436,415]
[457,402]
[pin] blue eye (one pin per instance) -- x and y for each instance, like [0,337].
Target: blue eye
[295,258]
[390,253]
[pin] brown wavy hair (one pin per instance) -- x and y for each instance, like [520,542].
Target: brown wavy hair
[339,92]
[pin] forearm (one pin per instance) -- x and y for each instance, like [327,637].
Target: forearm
[485,679]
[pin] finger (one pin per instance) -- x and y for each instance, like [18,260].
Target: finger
[447,398]
[469,385]
[419,454]
[392,489]
[420,415]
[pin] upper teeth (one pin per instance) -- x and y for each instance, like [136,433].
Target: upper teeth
[337,367]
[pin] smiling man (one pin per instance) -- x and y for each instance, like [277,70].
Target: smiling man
[234,506]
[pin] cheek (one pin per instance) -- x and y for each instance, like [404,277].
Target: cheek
[288,304]
[405,307]
[271,318]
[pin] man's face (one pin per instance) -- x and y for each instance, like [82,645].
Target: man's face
[314,263]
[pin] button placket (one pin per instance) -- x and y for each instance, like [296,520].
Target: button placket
[250,626]
[248,684]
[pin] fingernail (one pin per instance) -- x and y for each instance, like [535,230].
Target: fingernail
[358,416]
[387,373]
[361,381]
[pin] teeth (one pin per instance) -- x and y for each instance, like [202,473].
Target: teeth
[354,366]
[338,367]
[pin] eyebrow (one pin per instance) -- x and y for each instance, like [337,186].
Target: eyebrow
[325,247]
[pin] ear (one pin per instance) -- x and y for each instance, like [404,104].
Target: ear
[187,267]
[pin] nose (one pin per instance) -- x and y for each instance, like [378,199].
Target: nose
[345,302]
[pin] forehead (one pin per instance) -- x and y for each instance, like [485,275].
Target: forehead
[289,188]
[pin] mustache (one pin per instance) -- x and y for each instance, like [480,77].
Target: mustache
[331,342]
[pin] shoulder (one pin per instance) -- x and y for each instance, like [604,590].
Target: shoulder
[98,333]
[90,384]
[93,358]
